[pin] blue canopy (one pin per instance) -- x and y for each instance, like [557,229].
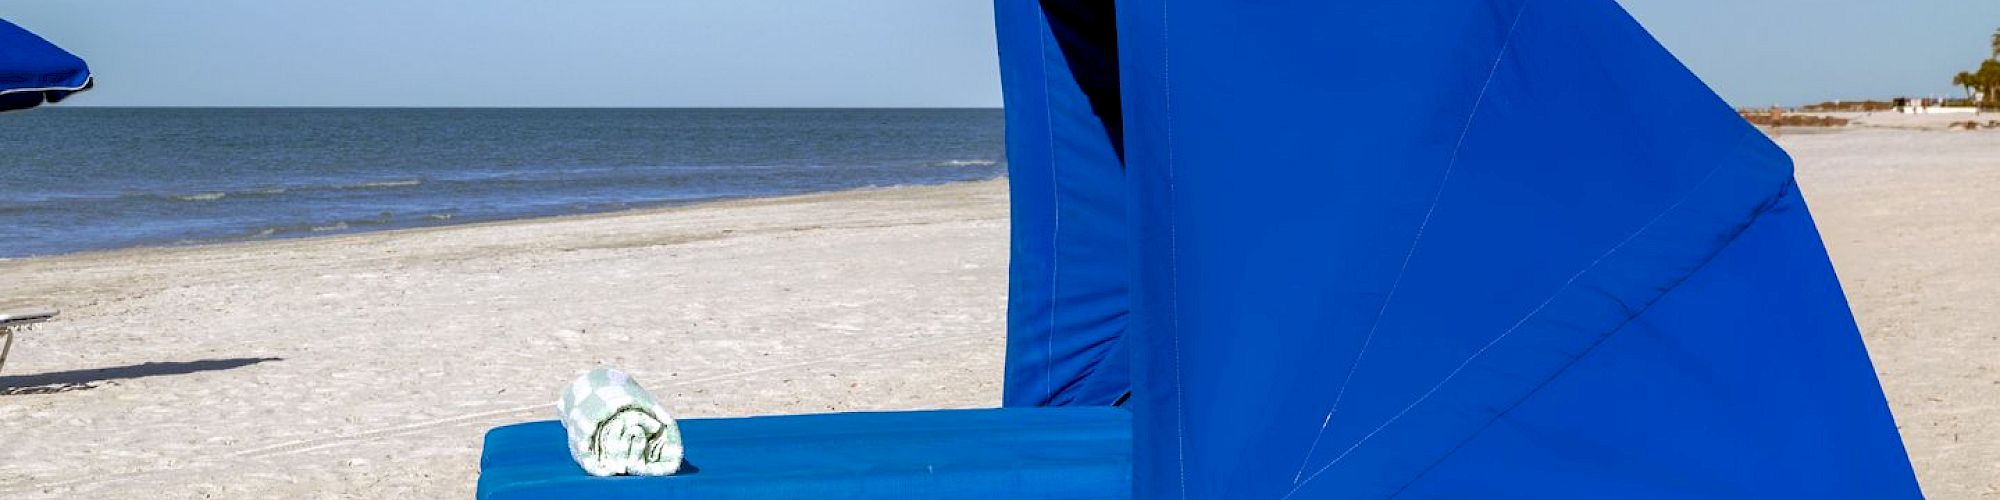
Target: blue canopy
[34,71]
[1453,249]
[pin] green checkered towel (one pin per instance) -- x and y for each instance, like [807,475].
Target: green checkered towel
[617,428]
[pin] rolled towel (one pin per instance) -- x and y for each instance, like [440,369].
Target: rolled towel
[617,428]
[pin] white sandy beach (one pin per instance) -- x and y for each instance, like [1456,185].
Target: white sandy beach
[368,366]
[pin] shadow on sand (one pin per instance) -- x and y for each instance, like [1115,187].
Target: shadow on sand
[78,380]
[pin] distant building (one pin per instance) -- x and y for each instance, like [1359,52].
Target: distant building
[1930,106]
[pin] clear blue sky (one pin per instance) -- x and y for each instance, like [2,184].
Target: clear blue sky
[860,53]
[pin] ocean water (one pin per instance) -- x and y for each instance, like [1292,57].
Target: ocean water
[75,179]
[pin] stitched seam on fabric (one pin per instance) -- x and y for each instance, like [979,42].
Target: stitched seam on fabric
[1397,284]
[1421,399]
[1592,349]
[1055,199]
[86,84]
[1173,242]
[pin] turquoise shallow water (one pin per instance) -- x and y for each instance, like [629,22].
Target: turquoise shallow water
[74,179]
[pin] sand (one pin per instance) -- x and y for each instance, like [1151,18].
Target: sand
[367,366]
[1911,214]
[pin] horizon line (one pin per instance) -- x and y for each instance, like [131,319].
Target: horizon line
[378,106]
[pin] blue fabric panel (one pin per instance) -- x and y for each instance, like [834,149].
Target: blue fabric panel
[1070,268]
[970,454]
[1700,396]
[1368,230]
[33,71]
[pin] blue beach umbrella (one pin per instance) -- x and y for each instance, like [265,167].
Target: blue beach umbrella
[34,71]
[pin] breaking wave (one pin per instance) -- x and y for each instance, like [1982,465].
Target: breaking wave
[201,197]
[267,192]
[965,163]
[384,184]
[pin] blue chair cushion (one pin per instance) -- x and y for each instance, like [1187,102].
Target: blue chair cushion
[984,454]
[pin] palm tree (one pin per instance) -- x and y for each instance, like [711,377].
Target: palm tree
[1987,79]
[1996,44]
[1965,81]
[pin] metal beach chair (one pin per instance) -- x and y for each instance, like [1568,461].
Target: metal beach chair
[19,317]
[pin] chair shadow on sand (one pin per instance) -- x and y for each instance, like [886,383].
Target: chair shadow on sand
[79,380]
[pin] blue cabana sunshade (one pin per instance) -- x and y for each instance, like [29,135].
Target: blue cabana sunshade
[1346,249]
[1472,249]
[34,71]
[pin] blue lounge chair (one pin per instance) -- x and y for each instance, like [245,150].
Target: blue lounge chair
[1026,452]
